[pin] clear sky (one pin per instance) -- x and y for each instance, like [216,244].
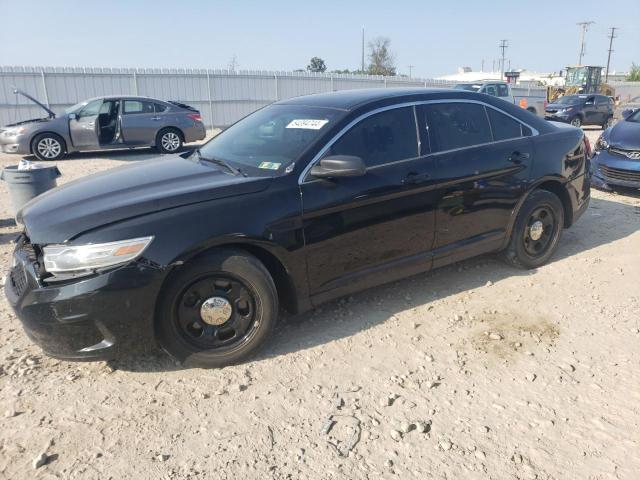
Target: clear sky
[435,36]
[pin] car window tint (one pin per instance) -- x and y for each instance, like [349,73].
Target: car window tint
[137,106]
[159,107]
[381,138]
[491,90]
[91,109]
[526,131]
[456,125]
[502,126]
[503,91]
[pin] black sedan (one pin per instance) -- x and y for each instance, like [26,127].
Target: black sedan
[617,158]
[303,201]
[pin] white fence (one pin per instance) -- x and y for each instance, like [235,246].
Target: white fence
[221,96]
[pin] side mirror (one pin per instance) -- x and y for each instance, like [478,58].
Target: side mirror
[339,166]
[73,116]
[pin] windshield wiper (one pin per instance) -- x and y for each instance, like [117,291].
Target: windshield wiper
[220,163]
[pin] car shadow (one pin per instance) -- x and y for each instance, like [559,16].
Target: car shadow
[600,225]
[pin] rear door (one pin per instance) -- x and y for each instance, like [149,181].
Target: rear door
[84,128]
[590,109]
[369,228]
[140,123]
[482,164]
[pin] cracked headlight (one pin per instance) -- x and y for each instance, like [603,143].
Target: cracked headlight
[601,143]
[83,259]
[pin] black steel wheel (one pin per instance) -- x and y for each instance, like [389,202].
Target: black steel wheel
[536,231]
[217,310]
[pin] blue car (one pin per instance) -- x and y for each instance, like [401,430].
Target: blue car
[617,155]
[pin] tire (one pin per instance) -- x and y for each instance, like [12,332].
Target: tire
[608,122]
[217,310]
[524,250]
[169,140]
[576,121]
[48,147]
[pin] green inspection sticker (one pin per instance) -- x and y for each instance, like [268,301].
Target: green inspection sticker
[270,165]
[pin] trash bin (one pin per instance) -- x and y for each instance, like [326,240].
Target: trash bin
[27,184]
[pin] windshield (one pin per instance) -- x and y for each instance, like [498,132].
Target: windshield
[634,117]
[272,138]
[570,99]
[75,107]
[467,86]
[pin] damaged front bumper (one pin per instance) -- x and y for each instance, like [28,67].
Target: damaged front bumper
[91,318]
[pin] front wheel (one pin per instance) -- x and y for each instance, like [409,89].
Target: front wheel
[217,310]
[169,140]
[536,232]
[608,122]
[48,146]
[576,121]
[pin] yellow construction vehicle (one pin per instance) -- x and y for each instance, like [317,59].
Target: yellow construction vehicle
[580,79]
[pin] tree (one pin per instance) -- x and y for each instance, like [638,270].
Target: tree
[316,64]
[381,61]
[634,73]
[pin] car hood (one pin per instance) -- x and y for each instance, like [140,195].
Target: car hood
[130,191]
[625,135]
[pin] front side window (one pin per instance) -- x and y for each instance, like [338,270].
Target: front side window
[503,126]
[385,137]
[90,109]
[455,125]
[269,140]
[138,106]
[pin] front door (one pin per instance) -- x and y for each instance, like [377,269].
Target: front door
[482,159]
[140,123]
[591,114]
[361,231]
[84,127]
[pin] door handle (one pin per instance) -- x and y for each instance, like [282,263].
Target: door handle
[518,157]
[413,178]
[155,118]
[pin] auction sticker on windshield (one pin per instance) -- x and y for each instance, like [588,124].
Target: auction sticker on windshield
[309,123]
[269,165]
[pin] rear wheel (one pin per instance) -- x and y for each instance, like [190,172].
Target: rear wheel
[537,231]
[169,140]
[217,310]
[576,121]
[607,123]
[48,146]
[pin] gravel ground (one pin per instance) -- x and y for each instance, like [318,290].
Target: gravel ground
[472,371]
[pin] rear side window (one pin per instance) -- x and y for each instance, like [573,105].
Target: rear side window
[159,107]
[456,125]
[381,138]
[503,90]
[138,106]
[502,126]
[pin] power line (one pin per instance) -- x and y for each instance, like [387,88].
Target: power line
[584,27]
[612,35]
[503,46]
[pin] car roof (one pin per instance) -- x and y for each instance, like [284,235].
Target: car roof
[128,97]
[351,99]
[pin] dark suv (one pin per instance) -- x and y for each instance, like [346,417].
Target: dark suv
[301,202]
[581,110]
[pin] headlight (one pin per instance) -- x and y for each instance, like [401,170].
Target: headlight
[83,259]
[12,132]
[601,143]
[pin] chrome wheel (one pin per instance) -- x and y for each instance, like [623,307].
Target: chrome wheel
[49,147]
[170,141]
[576,122]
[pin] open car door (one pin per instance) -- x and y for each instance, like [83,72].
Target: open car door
[84,126]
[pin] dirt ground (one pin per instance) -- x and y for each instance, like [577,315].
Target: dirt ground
[472,371]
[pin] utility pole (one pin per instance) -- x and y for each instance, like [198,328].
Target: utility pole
[584,27]
[482,66]
[612,35]
[410,70]
[362,64]
[503,46]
